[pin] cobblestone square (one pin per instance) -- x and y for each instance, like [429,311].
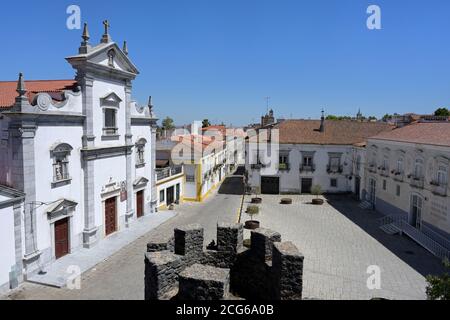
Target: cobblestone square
[340,241]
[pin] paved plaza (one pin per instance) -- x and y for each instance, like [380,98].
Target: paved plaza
[121,276]
[340,241]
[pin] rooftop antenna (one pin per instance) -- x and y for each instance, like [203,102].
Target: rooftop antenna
[268,103]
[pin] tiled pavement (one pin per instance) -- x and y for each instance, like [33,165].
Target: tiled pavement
[340,241]
[121,276]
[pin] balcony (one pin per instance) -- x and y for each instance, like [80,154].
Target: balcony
[110,131]
[384,171]
[397,175]
[417,182]
[284,167]
[308,168]
[372,168]
[335,169]
[439,189]
[256,166]
[168,173]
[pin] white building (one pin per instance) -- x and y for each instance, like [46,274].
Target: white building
[407,177]
[11,209]
[82,152]
[310,153]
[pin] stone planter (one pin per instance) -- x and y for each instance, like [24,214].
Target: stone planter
[317,202]
[286,201]
[256,200]
[252,225]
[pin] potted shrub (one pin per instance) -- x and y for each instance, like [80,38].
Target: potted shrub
[252,224]
[256,199]
[317,191]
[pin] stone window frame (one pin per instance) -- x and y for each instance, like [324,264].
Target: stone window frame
[400,168]
[111,102]
[332,156]
[60,154]
[419,174]
[284,160]
[110,131]
[442,174]
[140,152]
[334,183]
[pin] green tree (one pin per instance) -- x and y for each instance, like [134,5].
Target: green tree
[168,124]
[206,123]
[442,112]
[438,287]
[331,117]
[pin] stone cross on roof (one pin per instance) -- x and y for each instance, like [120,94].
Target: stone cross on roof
[106,38]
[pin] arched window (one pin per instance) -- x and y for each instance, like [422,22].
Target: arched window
[418,169]
[442,175]
[60,154]
[399,166]
[140,152]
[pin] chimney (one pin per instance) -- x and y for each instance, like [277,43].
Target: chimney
[322,122]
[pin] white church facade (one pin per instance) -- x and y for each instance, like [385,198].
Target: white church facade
[81,151]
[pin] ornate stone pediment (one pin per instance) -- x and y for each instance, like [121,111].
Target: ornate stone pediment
[104,58]
[61,208]
[140,181]
[111,99]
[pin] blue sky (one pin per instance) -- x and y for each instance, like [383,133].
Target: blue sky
[218,59]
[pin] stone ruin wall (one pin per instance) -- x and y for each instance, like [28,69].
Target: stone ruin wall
[182,269]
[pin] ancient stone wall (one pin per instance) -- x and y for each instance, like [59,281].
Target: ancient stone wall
[182,269]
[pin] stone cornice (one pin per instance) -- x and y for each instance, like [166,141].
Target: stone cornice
[105,152]
[46,116]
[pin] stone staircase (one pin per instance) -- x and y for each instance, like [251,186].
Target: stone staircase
[431,241]
[365,205]
[391,229]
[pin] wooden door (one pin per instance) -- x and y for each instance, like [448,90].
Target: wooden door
[170,195]
[306,185]
[270,185]
[110,216]
[140,204]
[61,238]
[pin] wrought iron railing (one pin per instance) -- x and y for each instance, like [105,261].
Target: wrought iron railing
[427,238]
[168,172]
[308,168]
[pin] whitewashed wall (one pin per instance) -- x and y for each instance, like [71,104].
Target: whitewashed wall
[7,241]
[46,138]
[436,209]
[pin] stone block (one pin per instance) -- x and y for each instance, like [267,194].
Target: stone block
[230,237]
[189,240]
[287,266]
[201,282]
[161,273]
[262,241]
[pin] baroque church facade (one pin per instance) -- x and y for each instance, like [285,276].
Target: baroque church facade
[81,151]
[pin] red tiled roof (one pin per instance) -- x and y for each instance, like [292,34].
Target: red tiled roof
[198,140]
[433,133]
[336,132]
[54,88]
[221,129]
